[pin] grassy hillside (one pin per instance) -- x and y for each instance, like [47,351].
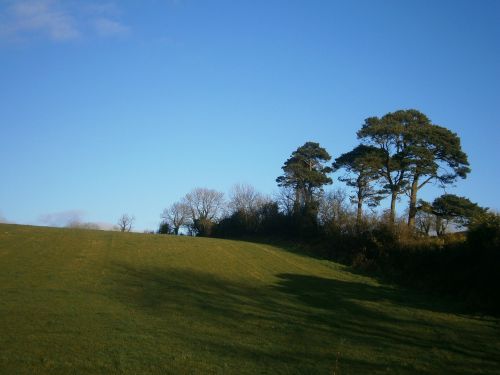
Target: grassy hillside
[81,301]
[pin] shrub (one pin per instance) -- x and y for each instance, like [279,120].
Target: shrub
[484,232]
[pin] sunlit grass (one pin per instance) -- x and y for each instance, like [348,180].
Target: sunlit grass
[81,301]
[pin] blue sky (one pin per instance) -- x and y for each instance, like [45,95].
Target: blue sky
[125,106]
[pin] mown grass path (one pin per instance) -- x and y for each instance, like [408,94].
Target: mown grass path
[88,302]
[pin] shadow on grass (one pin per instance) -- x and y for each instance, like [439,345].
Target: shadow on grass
[300,323]
[428,298]
[290,246]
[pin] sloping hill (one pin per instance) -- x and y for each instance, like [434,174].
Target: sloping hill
[81,301]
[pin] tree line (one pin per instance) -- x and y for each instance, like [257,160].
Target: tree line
[399,154]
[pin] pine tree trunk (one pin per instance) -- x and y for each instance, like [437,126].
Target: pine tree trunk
[413,203]
[296,204]
[439,226]
[394,197]
[359,215]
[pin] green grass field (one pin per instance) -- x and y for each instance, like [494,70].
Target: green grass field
[81,301]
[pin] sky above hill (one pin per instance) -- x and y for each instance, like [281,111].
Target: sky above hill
[125,106]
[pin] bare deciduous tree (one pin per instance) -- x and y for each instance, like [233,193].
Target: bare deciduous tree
[125,223]
[425,220]
[334,208]
[245,198]
[285,198]
[177,215]
[206,204]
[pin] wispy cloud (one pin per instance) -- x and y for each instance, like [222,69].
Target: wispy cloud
[59,21]
[108,27]
[44,17]
[103,19]
[61,218]
[102,8]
